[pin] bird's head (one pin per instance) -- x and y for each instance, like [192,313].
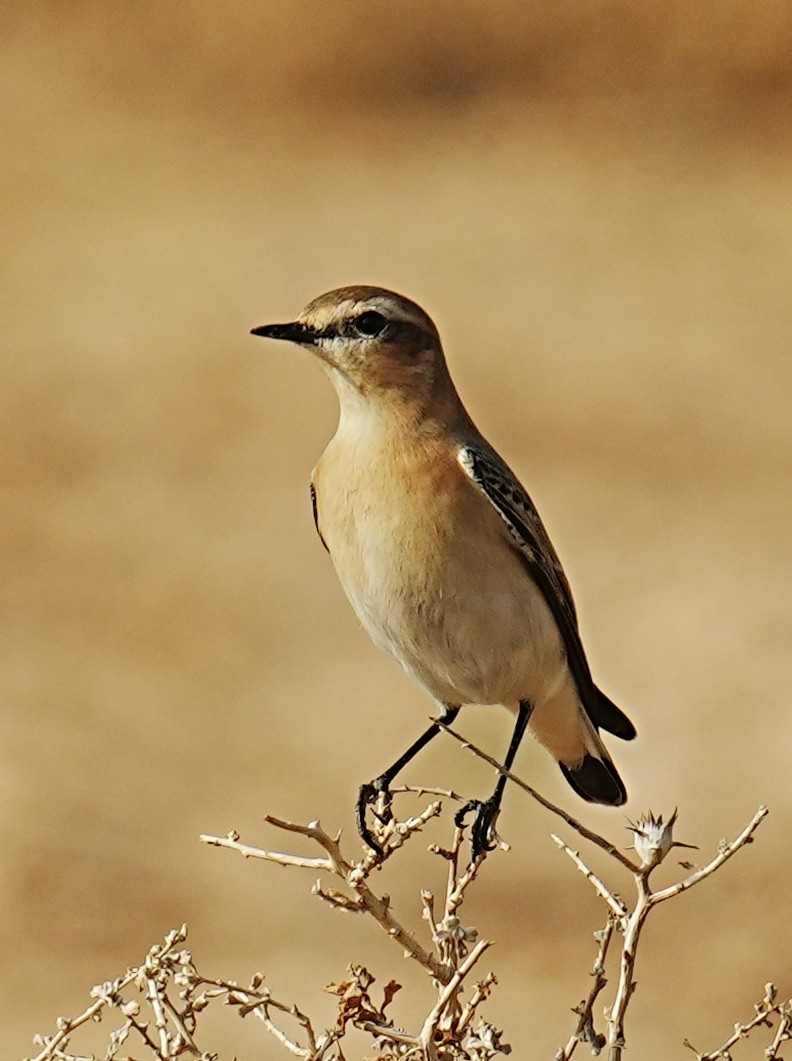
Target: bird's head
[378,343]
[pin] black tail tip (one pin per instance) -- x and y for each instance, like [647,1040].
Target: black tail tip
[610,717]
[596,781]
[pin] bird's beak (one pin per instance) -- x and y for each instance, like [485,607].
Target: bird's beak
[292,333]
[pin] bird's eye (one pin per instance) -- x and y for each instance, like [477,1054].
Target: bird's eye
[369,324]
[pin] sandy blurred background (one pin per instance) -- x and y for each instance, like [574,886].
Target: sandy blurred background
[593,201]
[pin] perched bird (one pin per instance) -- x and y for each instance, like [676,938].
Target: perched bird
[440,549]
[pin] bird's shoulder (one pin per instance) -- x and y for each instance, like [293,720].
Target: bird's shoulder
[503,490]
[396,467]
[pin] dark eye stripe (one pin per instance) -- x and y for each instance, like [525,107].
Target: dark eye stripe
[367,325]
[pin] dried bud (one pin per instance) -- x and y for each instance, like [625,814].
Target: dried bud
[452,929]
[105,991]
[653,838]
[484,1042]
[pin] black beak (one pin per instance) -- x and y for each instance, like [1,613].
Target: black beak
[293,333]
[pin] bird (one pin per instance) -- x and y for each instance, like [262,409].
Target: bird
[442,553]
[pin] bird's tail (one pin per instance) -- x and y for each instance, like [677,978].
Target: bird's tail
[608,716]
[565,729]
[595,778]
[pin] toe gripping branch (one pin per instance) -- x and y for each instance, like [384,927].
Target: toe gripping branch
[483,830]
[482,833]
[370,794]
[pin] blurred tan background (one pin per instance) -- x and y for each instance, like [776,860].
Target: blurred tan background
[593,201]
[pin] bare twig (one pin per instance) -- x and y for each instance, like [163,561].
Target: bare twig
[109,995]
[456,949]
[653,841]
[783,1032]
[448,995]
[724,854]
[586,1031]
[160,1021]
[232,842]
[423,790]
[769,1006]
[595,838]
[479,993]
[159,1001]
[646,899]
[354,875]
[616,905]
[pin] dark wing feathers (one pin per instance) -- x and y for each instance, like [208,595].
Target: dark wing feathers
[315,508]
[531,541]
[611,717]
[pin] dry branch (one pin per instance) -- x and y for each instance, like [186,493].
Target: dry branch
[770,1006]
[160,1001]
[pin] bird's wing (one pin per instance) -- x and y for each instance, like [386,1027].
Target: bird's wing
[315,509]
[512,503]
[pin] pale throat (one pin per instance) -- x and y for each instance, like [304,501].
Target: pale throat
[377,412]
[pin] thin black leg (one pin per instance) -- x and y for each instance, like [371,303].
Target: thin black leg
[381,785]
[487,810]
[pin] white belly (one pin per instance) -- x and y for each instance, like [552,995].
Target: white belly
[460,613]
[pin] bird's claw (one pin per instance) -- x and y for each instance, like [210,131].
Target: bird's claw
[482,833]
[377,795]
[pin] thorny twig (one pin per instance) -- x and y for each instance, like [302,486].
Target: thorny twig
[653,840]
[614,902]
[448,1032]
[353,874]
[585,1031]
[169,970]
[595,838]
[770,1005]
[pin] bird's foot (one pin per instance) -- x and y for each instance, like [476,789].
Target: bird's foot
[483,837]
[377,795]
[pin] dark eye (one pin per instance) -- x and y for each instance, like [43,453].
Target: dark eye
[369,324]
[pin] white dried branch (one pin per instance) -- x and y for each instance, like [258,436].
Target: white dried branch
[769,1006]
[481,991]
[260,1012]
[160,1021]
[585,1031]
[646,900]
[428,910]
[178,1022]
[604,892]
[393,835]
[783,1033]
[593,837]
[394,1035]
[258,1005]
[458,885]
[354,875]
[109,995]
[232,842]
[724,854]
[448,1019]
[626,984]
[68,1025]
[448,995]
[446,1032]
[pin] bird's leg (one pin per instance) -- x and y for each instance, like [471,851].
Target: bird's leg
[487,810]
[380,786]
